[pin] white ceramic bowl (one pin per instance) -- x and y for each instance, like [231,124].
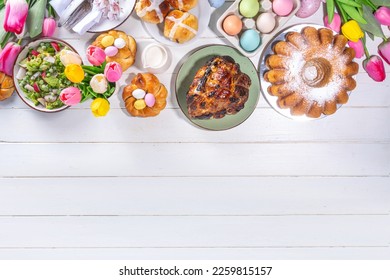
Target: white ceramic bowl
[22,56]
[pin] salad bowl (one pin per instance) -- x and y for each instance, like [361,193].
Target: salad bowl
[41,92]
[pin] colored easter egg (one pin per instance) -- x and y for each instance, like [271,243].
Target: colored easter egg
[249,8]
[282,7]
[232,25]
[150,100]
[107,41]
[265,23]
[119,43]
[216,3]
[111,51]
[250,40]
[139,93]
[308,8]
[140,104]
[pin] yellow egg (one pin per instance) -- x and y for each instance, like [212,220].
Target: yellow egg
[108,41]
[139,104]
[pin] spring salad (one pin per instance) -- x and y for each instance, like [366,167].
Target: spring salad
[41,76]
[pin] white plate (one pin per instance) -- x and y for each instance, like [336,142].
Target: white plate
[202,11]
[105,25]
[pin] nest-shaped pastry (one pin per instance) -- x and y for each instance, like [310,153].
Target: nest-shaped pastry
[6,86]
[183,5]
[180,27]
[152,11]
[150,84]
[125,56]
[311,72]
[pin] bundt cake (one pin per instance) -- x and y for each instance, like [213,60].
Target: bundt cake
[311,72]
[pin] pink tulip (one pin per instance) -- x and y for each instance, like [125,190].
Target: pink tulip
[383,15]
[384,51]
[358,47]
[8,57]
[113,71]
[15,16]
[335,24]
[375,68]
[49,27]
[96,56]
[70,96]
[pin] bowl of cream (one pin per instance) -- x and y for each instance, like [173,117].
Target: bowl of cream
[155,58]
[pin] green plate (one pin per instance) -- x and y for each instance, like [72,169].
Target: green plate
[197,60]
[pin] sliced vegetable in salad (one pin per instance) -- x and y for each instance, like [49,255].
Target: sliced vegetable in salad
[41,76]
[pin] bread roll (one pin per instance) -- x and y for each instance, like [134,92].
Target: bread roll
[183,5]
[152,11]
[180,27]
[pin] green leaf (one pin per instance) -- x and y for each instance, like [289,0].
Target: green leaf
[353,13]
[330,10]
[3,33]
[381,2]
[369,34]
[372,25]
[35,18]
[350,3]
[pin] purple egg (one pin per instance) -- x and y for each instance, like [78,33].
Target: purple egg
[111,51]
[150,100]
[308,8]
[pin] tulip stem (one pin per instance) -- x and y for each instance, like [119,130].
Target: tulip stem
[365,47]
[6,38]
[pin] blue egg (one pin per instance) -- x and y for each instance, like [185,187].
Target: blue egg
[250,40]
[216,3]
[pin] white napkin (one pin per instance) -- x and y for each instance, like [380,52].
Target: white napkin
[88,21]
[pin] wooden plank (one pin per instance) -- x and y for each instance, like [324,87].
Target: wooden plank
[206,159]
[334,253]
[265,125]
[152,232]
[195,196]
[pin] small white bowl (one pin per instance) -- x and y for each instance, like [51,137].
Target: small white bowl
[22,55]
[155,58]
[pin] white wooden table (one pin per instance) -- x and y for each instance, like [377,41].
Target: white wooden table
[76,187]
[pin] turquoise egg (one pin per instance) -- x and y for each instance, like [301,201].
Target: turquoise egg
[250,40]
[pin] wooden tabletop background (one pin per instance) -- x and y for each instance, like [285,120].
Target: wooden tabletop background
[76,187]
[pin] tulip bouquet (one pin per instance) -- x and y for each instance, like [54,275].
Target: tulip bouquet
[95,82]
[358,19]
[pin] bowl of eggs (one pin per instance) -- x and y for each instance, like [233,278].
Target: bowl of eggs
[250,24]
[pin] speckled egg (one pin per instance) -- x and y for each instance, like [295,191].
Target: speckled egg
[140,104]
[139,93]
[107,41]
[111,51]
[250,40]
[265,23]
[232,25]
[119,43]
[150,100]
[282,7]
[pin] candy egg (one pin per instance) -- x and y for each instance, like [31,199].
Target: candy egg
[139,93]
[308,8]
[119,43]
[140,104]
[216,3]
[282,7]
[111,51]
[250,40]
[249,8]
[265,23]
[107,41]
[150,100]
[232,25]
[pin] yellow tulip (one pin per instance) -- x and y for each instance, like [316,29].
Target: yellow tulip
[352,31]
[74,73]
[100,107]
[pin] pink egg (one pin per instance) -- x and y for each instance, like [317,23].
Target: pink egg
[282,7]
[111,51]
[308,8]
[150,100]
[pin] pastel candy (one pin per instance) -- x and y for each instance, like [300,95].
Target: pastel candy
[111,51]
[107,41]
[119,43]
[140,104]
[139,93]
[150,100]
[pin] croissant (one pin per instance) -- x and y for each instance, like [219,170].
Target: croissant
[152,11]
[183,5]
[180,26]
[150,84]
[125,56]
[6,86]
